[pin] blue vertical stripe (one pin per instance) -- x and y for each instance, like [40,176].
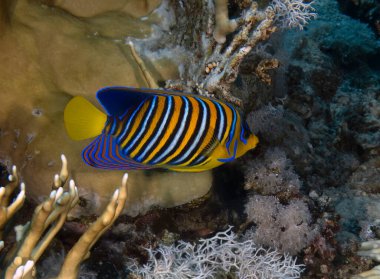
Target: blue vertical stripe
[114,125]
[242,133]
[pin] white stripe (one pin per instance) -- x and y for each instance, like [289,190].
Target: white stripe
[222,120]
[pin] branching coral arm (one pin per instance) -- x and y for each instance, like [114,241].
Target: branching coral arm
[14,180]
[6,212]
[66,202]
[49,215]
[18,270]
[255,26]
[32,247]
[60,180]
[26,271]
[224,25]
[57,205]
[80,251]
[148,78]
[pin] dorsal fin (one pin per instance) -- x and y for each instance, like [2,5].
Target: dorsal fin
[117,100]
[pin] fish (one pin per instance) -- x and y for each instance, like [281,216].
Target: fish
[155,128]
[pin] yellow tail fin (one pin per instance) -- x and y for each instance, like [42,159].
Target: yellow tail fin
[82,119]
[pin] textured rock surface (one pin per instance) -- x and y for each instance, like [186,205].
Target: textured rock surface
[367,177]
[47,56]
[90,8]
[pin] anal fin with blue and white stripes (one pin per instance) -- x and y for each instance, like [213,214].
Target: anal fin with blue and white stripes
[105,153]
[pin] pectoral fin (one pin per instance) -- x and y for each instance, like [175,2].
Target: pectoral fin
[226,160]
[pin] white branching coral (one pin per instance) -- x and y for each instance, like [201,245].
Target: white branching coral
[223,253]
[293,13]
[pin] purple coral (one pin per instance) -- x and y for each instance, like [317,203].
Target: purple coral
[284,227]
[272,174]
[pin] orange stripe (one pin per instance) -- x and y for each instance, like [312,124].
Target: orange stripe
[170,127]
[154,123]
[119,128]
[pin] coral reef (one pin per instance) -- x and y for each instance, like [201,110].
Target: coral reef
[311,95]
[215,63]
[334,105]
[139,49]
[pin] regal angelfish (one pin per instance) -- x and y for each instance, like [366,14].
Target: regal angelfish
[147,128]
